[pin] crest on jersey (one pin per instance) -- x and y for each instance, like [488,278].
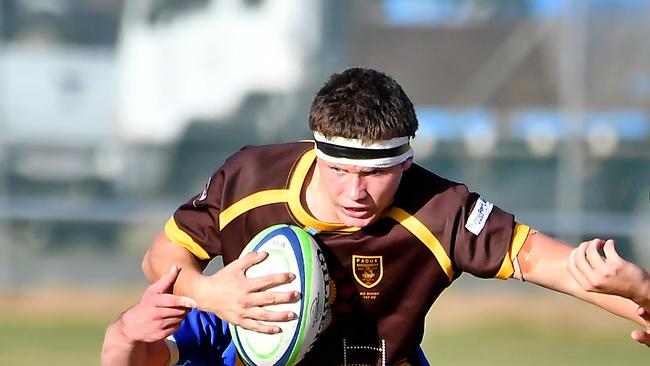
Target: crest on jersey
[368,270]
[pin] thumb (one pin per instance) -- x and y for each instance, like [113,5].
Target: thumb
[166,283]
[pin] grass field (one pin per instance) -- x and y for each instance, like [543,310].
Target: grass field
[530,328]
[63,327]
[66,327]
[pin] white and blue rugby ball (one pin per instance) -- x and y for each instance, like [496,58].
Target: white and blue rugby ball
[291,249]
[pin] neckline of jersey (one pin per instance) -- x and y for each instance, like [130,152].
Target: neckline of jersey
[296,183]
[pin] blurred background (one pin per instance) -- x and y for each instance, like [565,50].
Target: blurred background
[113,112]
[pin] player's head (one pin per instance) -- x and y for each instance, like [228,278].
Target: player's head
[362,104]
[363,123]
[363,117]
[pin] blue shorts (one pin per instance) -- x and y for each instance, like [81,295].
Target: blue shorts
[204,339]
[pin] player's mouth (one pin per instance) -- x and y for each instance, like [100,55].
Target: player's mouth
[357,212]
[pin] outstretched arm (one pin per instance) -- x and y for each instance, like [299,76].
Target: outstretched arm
[137,336]
[545,262]
[228,293]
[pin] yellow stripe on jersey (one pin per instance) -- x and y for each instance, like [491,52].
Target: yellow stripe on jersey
[519,236]
[417,228]
[291,196]
[178,236]
[250,202]
[295,188]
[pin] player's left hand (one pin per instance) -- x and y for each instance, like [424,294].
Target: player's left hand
[609,274]
[641,336]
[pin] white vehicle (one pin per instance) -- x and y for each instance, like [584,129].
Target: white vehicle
[57,151]
[185,61]
[89,128]
[56,103]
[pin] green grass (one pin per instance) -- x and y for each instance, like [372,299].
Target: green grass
[463,330]
[61,342]
[25,342]
[488,326]
[509,340]
[53,326]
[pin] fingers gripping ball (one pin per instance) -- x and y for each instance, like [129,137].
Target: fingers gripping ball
[290,249]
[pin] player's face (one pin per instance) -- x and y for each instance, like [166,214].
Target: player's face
[358,195]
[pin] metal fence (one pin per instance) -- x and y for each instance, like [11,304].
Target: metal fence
[542,106]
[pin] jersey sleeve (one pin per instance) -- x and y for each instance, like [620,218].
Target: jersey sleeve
[195,224]
[204,339]
[487,239]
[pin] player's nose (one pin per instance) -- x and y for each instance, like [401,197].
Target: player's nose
[356,187]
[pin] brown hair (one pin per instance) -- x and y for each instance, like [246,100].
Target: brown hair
[362,104]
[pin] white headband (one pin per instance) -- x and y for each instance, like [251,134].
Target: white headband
[381,154]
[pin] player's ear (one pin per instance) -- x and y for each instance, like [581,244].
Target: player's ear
[407,164]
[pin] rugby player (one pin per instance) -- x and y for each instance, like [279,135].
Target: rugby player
[394,234]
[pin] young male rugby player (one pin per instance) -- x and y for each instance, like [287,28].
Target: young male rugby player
[395,235]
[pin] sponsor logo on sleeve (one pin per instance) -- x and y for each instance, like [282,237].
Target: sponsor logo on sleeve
[479,216]
[204,194]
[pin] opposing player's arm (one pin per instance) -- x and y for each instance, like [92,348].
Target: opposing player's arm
[119,350]
[137,336]
[544,261]
[609,273]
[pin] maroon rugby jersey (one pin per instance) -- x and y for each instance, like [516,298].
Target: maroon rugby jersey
[386,276]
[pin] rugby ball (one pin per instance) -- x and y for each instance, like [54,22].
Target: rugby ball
[290,249]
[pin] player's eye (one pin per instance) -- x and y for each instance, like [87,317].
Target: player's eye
[336,169]
[372,172]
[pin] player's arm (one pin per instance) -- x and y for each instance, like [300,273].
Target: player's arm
[545,262]
[137,336]
[227,293]
[163,254]
[120,350]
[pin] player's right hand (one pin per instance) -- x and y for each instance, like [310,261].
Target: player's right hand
[158,314]
[239,300]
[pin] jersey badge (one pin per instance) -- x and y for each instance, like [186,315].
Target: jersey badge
[479,216]
[368,270]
